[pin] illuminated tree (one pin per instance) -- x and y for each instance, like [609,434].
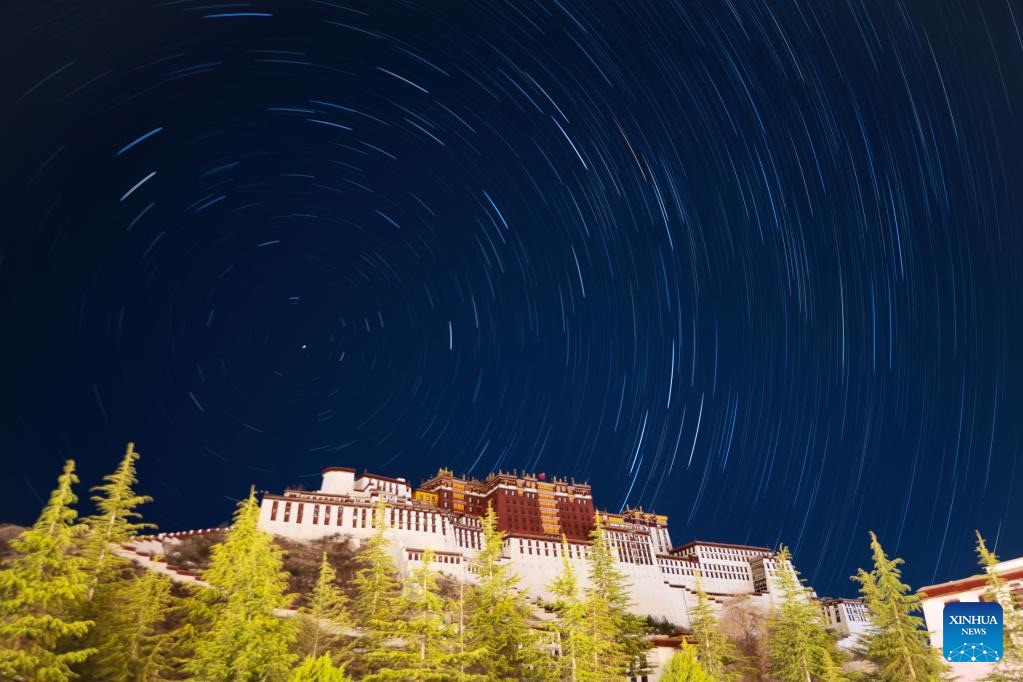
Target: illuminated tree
[424,646]
[319,669]
[683,667]
[801,649]
[498,626]
[132,637]
[41,590]
[115,522]
[247,639]
[1010,667]
[897,642]
[376,580]
[618,643]
[325,619]
[574,636]
[718,654]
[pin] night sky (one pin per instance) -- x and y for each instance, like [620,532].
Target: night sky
[755,265]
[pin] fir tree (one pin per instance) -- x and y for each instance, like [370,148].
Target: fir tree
[377,590]
[718,654]
[115,521]
[132,636]
[684,667]
[801,649]
[1010,667]
[897,643]
[618,643]
[325,619]
[574,637]
[376,582]
[498,625]
[424,645]
[246,640]
[321,669]
[40,591]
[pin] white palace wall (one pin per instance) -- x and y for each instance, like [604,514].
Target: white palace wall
[661,585]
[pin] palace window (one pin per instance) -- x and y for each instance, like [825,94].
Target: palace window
[287,511]
[273,511]
[298,517]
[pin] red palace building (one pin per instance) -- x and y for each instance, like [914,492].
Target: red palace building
[526,504]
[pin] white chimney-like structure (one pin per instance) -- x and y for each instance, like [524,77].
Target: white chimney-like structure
[338,481]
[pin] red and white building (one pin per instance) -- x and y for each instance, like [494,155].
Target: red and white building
[967,589]
[444,514]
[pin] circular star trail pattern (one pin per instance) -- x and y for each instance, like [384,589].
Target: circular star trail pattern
[754,265]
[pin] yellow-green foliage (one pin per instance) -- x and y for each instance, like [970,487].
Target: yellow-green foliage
[897,644]
[498,626]
[247,640]
[574,636]
[131,632]
[325,619]
[617,635]
[376,580]
[115,521]
[1010,667]
[718,654]
[41,590]
[318,669]
[801,647]
[683,667]
[424,645]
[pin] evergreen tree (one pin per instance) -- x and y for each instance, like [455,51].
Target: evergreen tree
[618,643]
[197,611]
[246,640]
[718,654]
[574,637]
[376,582]
[325,619]
[801,647]
[1010,667]
[897,643]
[132,634]
[498,625]
[115,521]
[425,645]
[320,669]
[683,667]
[40,591]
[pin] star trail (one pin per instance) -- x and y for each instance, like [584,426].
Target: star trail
[753,265]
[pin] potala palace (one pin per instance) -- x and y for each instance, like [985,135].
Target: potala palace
[444,514]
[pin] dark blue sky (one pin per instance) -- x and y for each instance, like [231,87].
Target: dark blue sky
[754,265]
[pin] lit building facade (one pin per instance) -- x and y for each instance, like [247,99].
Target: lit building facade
[848,618]
[444,515]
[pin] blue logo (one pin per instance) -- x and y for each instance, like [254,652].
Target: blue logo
[972,632]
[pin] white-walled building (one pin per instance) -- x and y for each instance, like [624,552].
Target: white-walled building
[848,617]
[970,589]
[444,515]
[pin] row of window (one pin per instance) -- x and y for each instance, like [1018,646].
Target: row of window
[362,517]
[440,559]
[676,570]
[727,568]
[550,549]
[726,553]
